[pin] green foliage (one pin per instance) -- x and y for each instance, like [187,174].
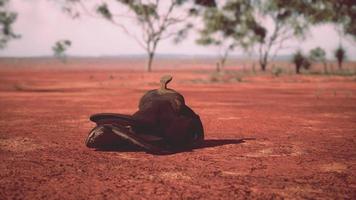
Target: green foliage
[182,34]
[60,48]
[277,71]
[286,24]
[233,20]
[284,16]
[155,20]
[228,26]
[104,11]
[317,55]
[143,11]
[340,55]
[242,23]
[341,12]
[7,19]
[259,31]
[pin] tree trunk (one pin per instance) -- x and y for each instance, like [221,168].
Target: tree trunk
[340,64]
[325,68]
[263,66]
[297,69]
[217,66]
[263,63]
[222,64]
[223,59]
[264,60]
[150,61]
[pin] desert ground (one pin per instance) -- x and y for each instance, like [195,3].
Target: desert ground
[266,137]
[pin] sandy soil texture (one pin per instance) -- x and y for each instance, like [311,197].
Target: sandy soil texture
[289,137]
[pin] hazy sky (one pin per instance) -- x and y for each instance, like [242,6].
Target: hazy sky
[41,23]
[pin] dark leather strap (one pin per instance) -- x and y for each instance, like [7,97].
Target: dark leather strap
[114,118]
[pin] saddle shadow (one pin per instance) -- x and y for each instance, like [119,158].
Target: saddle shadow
[221,142]
[209,143]
[123,148]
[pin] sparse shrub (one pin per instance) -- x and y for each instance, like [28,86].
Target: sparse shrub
[238,79]
[300,61]
[306,63]
[225,77]
[277,71]
[60,48]
[340,55]
[214,77]
[345,72]
[318,55]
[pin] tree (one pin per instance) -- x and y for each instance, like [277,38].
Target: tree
[340,55]
[156,20]
[300,61]
[286,24]
[60,48]
[7,19]
[318,55]
[212,34]
[339,12]
[226,27]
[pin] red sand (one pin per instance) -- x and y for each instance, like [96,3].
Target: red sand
[267,138]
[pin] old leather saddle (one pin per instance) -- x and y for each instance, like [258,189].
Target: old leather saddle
[163,124]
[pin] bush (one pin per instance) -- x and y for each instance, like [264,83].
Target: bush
[277,71]
[300,61]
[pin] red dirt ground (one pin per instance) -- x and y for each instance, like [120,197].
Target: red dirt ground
[290,137]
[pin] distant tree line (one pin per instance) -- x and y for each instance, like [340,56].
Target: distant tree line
[261,27]
[317,55]
[264,26]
